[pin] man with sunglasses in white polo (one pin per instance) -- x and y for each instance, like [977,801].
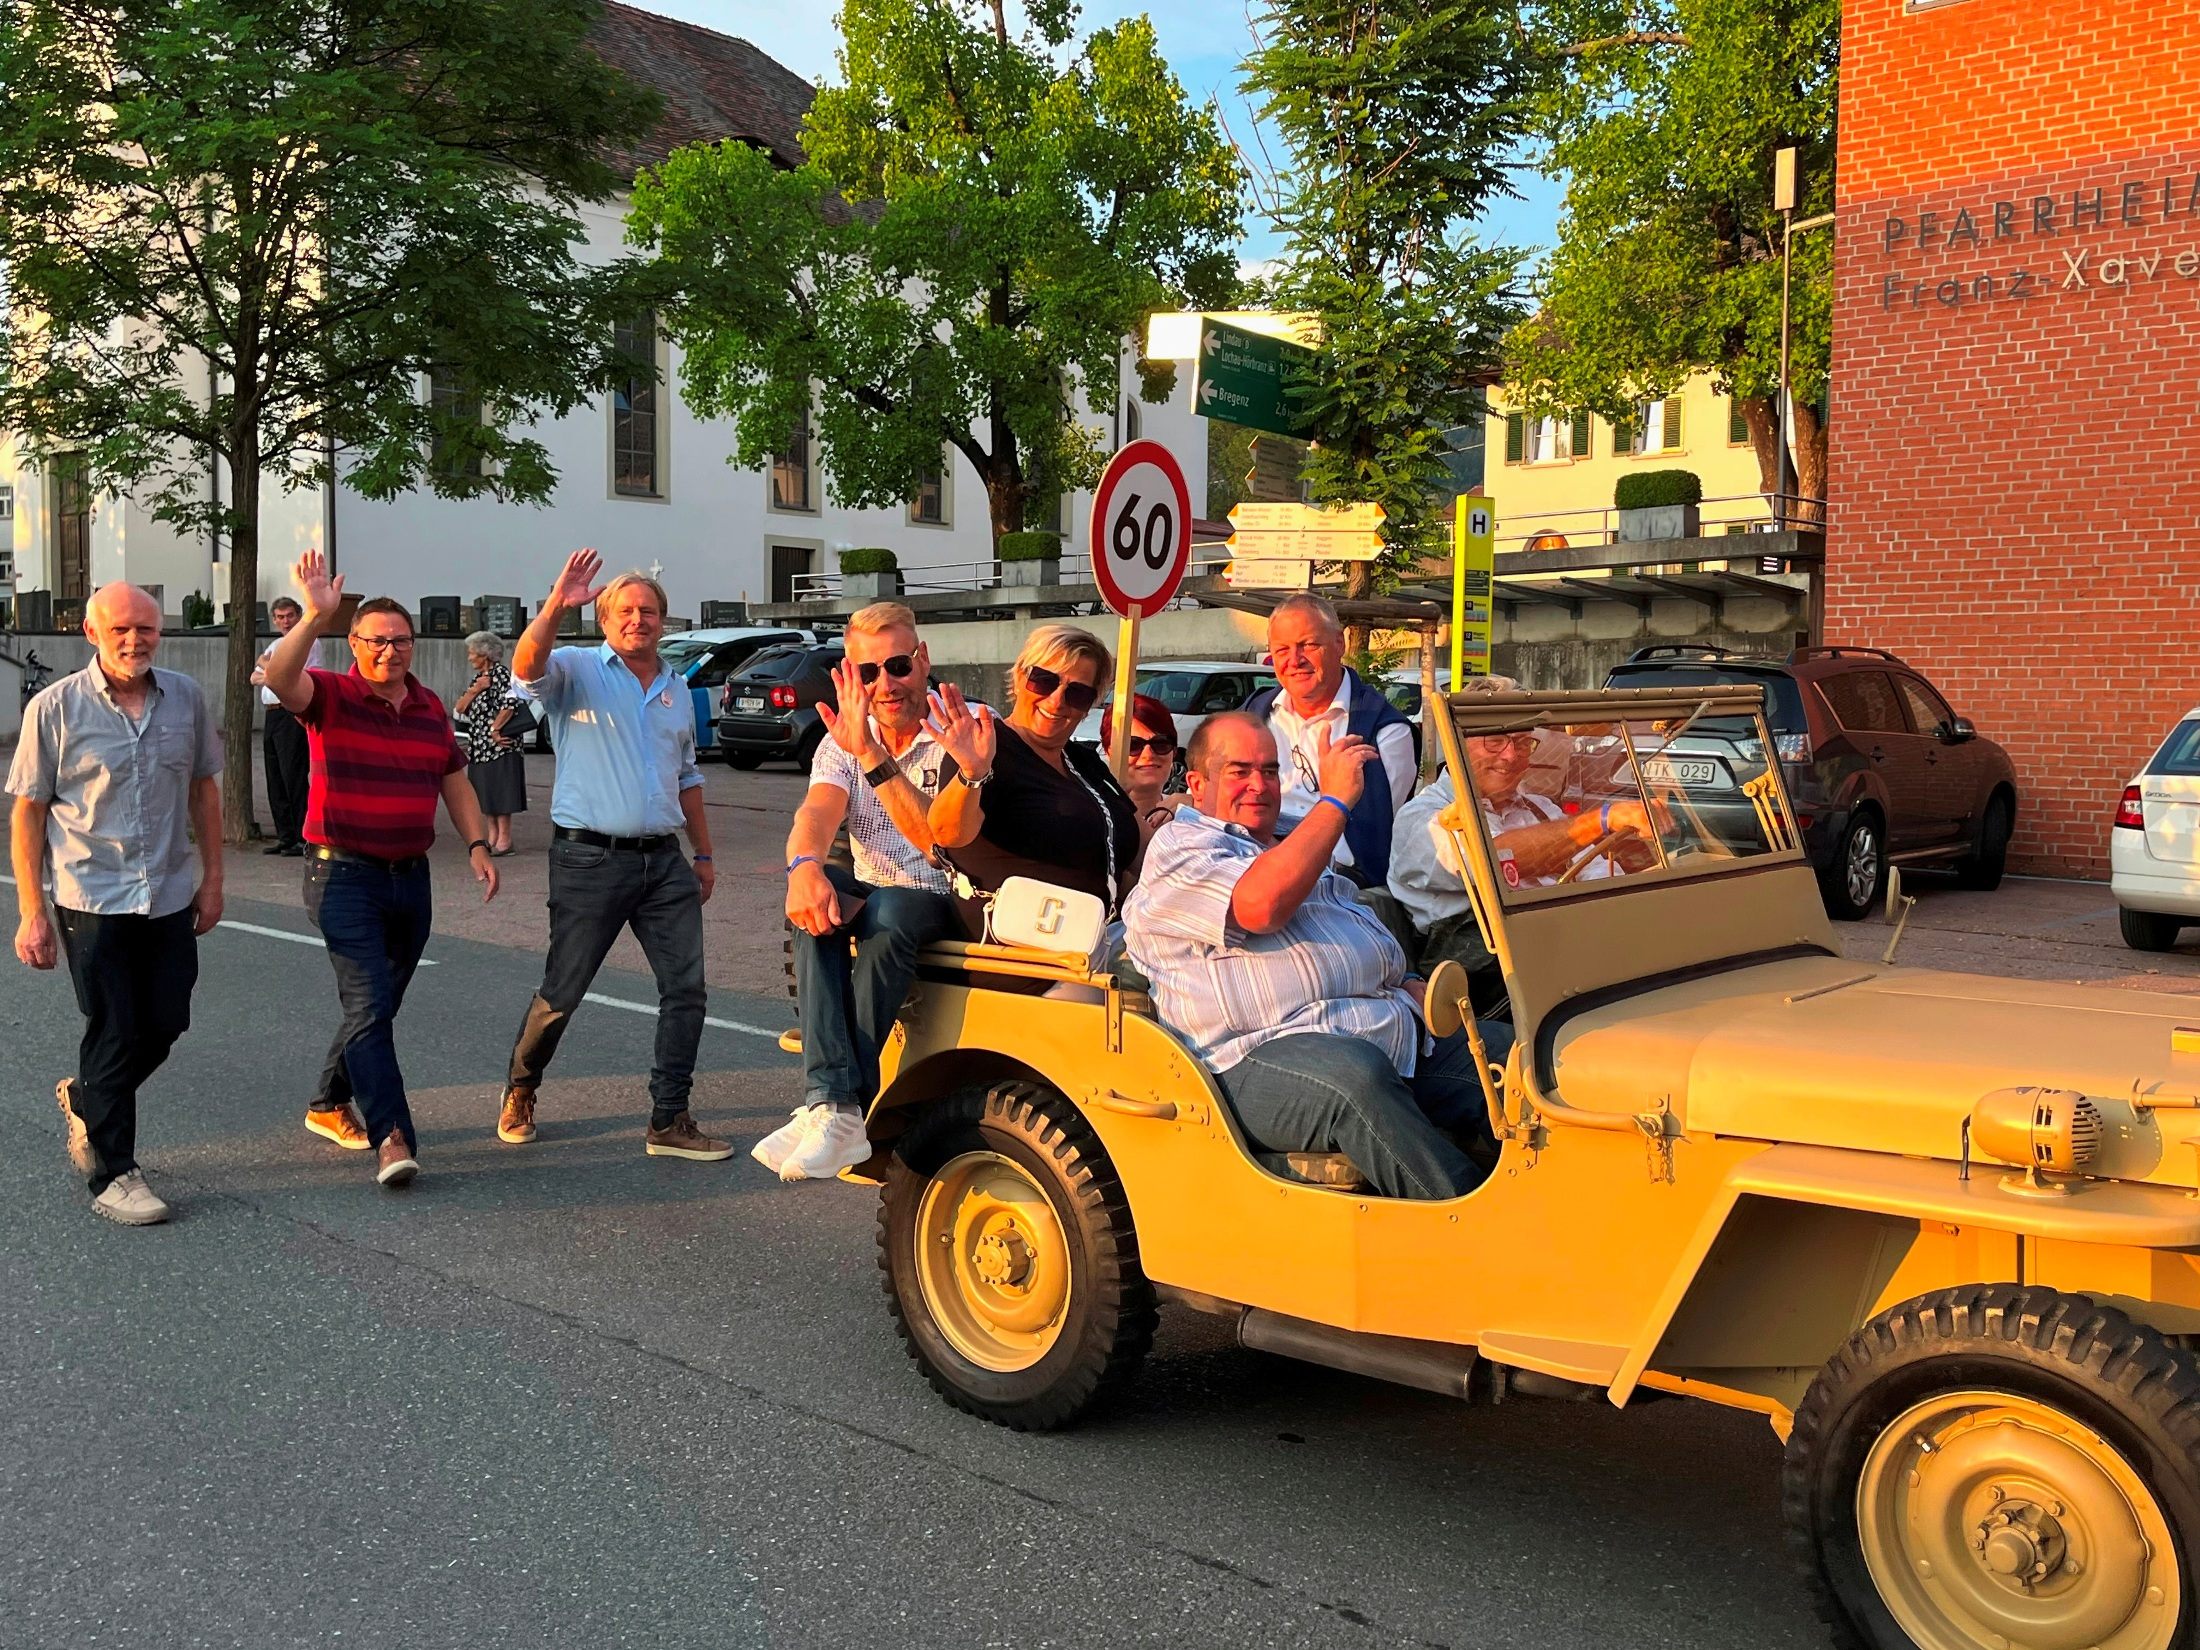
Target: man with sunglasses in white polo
[877,773]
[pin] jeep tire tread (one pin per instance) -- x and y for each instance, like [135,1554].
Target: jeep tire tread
[2120,1382]
[1108,1323]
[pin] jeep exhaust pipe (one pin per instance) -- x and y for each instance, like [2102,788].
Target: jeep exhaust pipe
[1431,1366]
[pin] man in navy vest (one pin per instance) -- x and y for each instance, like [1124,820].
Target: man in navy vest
[1315,691]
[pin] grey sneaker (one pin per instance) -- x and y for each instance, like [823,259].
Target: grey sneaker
[129,1200]
[80,1143]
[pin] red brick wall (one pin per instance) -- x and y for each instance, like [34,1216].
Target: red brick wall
[2014,470]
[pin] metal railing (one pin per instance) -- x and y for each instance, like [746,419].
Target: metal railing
[1746,512]
[960,577]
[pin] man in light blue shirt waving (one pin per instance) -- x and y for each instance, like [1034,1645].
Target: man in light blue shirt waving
[621,723]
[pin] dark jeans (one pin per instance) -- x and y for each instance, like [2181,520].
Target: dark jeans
[595,892]
[288,760]
[848,1003]
[375,919]
[133,979]
[1319,1092]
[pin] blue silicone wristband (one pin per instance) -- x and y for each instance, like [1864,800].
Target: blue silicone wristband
[1604,821]
[1334,803]
[801,860]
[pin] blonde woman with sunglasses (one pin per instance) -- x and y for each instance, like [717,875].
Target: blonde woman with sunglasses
[1016,798]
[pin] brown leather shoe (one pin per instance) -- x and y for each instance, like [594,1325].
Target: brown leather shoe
[516,1121]
[341,1124]
[395,1164]
[681,1138]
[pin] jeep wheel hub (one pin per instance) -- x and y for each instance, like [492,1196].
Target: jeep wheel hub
[1991,1520]
[992,1261]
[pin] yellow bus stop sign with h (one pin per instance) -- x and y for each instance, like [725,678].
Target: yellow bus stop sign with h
[1473,585]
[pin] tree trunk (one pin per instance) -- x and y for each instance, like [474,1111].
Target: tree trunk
[238,693]
[1810,466]
[1004,499]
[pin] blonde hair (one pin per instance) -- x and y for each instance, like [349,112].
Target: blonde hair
[1051,645]
[636,576]
[880,616]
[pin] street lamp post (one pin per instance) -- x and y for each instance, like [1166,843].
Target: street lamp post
[1783,200]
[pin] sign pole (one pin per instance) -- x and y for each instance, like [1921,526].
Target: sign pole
[1126,672]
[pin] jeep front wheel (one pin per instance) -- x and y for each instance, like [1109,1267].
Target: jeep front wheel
[1010,1260]
[2000,1465]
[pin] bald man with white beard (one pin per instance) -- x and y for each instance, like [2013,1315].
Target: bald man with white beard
[113,775]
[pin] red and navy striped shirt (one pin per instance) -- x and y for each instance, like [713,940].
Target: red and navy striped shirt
[378,768]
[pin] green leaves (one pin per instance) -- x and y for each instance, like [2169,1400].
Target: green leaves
[983,218]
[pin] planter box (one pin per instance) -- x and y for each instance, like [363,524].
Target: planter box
[1030,574]
[1661,521]
[871,587]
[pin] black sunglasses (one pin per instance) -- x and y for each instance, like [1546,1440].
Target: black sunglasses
[1160,744]
[900,665]
[1044,683]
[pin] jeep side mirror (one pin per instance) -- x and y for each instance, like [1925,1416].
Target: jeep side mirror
[1959,729]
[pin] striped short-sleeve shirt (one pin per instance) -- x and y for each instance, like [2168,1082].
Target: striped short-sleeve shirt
[378,768]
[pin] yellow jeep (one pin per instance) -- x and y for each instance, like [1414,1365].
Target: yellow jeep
[1940,1229]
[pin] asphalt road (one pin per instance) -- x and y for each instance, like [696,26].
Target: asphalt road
[569,1395]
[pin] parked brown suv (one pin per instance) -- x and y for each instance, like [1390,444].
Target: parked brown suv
[1881,770]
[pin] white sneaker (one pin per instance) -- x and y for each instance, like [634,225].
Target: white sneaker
[129,1200]
[839,1142]
[790,1137]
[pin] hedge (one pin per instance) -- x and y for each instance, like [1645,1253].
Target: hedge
[1647,489]
[1031,546]
[869,559]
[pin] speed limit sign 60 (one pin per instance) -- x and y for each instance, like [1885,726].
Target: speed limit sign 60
[1141,529]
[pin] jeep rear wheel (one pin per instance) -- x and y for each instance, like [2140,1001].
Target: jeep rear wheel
[1010,1260]
[1999,1465]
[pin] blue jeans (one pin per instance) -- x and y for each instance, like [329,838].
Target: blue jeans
[375,920]
[1319,1092]
[848,1003]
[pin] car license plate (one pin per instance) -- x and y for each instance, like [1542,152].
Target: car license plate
[1679,770]
[750,705]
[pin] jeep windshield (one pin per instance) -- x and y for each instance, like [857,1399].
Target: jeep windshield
[1569,806]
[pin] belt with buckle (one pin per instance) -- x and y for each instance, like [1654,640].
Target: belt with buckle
[344,856]
[596,839]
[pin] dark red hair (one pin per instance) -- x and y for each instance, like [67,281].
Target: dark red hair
[1146,710]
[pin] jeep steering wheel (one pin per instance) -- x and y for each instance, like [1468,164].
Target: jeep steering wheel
[1588,856]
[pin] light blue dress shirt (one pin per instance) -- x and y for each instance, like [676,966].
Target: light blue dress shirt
[625,751]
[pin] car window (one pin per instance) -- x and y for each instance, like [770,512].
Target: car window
[1929,713]
[2180,752]
[1178,690]
[1864,701]
[679,654]
[1219,693]
[1783,699]
[779,664]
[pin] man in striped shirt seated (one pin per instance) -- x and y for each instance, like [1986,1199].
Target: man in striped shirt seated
[1289,989]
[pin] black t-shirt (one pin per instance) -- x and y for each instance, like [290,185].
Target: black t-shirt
[1043,823]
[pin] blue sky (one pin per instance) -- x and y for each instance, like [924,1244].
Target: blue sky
[1204,45]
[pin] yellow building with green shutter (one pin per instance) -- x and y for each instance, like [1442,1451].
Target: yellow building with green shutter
[1552,478]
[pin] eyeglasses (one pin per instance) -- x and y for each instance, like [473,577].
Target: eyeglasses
[1303,766]
[1513,741]
[900,665]
[384,644]
[1044,684]
[1160,744]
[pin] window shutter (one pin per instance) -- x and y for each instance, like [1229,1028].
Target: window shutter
[1737,427]
[1581,432]
[1516,438]
[1672,422]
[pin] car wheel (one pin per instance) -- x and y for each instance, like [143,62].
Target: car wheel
[744,760]
[1999,1465]
[805,750]
[2148,930]
[1857,877]
[1011,1265]
[1981,868]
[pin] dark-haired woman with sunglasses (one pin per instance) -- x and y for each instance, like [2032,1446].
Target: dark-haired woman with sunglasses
[1016,798]
[1149,760]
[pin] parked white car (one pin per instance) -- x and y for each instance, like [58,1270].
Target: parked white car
[1192,689]
[2154,846]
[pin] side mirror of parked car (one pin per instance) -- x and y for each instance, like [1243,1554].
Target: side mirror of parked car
[1958,730]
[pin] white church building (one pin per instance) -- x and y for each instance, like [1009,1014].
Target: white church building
[639,477]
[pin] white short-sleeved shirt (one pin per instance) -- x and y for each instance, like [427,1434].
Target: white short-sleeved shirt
[884,857]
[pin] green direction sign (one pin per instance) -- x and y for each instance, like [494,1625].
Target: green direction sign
[1241,377]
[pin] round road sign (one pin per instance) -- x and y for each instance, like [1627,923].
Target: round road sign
[1141,529]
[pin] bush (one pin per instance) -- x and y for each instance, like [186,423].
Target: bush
[198,609]
[1647,489]
[871,558]
[1031,546]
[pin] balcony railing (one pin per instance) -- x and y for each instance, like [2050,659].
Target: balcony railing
[1735,513]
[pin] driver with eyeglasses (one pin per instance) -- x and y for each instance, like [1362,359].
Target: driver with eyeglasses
[857,933]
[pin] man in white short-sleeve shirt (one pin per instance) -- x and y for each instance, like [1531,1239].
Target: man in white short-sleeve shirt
[877,773]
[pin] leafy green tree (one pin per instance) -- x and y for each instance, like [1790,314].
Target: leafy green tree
[1398,116]
[245,229]
[985,214]
[1664,117]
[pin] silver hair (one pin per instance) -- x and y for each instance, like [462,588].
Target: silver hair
[488,644]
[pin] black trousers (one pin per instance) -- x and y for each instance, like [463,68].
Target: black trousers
[288,761]
[133,979]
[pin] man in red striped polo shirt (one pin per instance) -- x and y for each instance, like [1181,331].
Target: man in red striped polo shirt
[383,751]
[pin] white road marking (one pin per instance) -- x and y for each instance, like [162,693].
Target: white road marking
[295,939]
[651,1010]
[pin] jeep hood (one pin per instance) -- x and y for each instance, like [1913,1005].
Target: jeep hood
[1827,1051]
